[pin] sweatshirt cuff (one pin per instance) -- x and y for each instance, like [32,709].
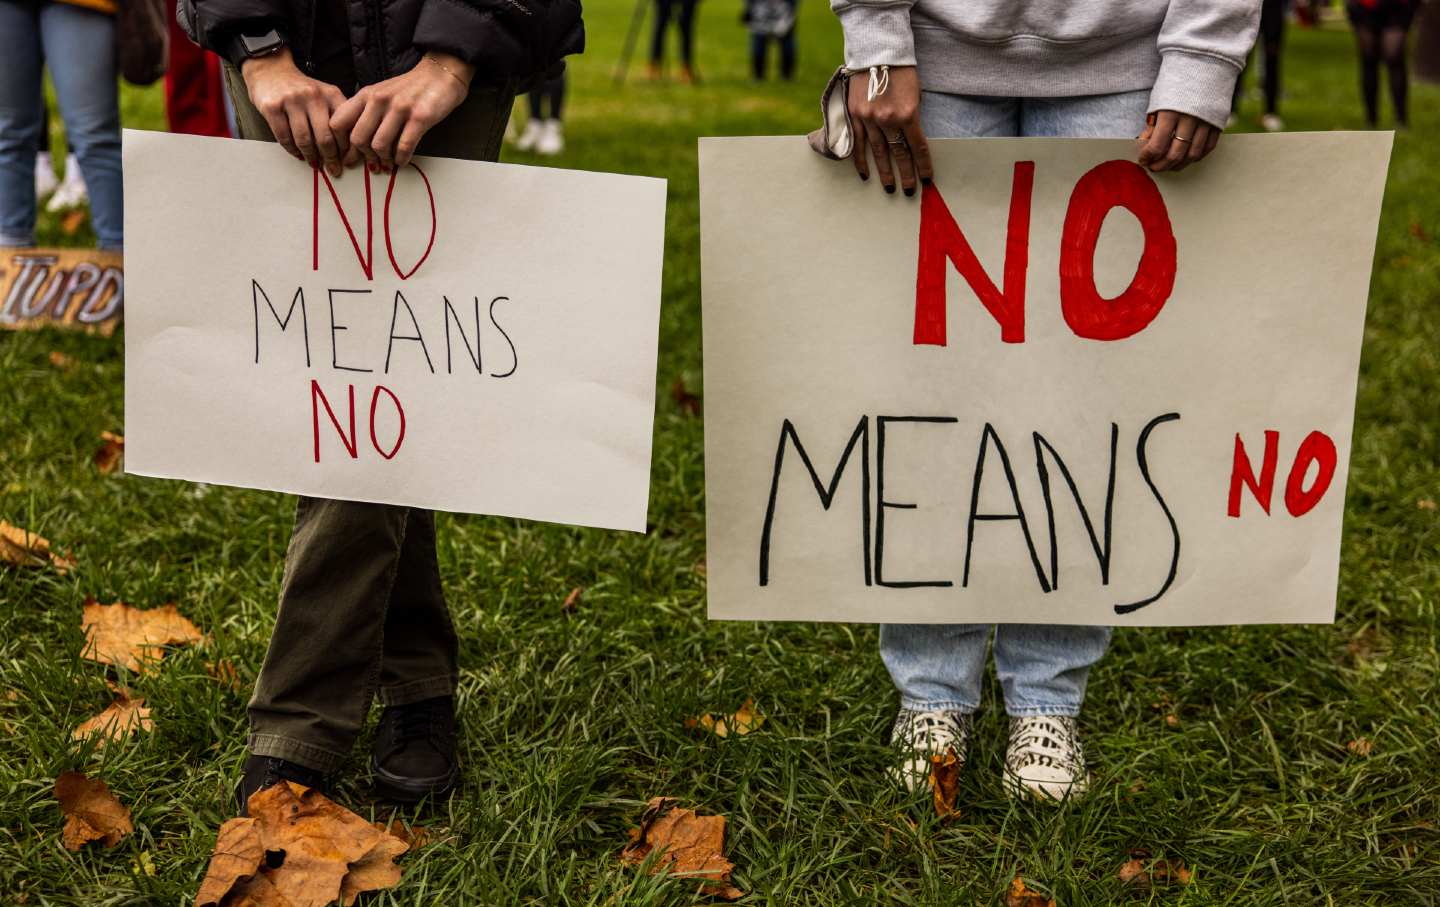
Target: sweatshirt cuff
[877,36]
[1199,84]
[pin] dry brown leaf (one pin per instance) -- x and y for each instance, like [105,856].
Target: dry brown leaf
[572,601]
[1172,720]
[91,812]
[1142,872]
[687,845]
[1017,895]
[945,782]
[1360,746]
[1417,231]
[745,720]
[298,849]
[413,835]
[120,719]
[73,220]
[129,637]
[1425,504]
[225,673]
[684,398]
[111,452]
[61,361]
[26,549]
[700,567]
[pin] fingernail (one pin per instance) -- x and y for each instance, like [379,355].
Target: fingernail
[910,191]
[925,181]
[864,177]
[890,190]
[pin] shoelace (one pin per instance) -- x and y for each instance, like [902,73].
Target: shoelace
[879,82]
[918,730]
[1046,741]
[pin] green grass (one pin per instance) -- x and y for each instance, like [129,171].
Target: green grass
[573,721]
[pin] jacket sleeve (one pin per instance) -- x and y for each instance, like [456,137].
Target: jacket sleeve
[1203,46]
[877,32]
[211,23]
[502,39]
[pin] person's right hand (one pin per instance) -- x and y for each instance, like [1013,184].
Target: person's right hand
[297,108]
[889,127]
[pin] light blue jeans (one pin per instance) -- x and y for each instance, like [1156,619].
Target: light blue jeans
[79,46]
[1042,668]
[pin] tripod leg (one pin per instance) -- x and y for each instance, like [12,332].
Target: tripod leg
[637,21]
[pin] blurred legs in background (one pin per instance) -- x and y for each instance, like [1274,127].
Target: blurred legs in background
[545,134]
[1381,31]
[684,11]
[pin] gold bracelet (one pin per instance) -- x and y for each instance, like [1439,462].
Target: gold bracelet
[453,74]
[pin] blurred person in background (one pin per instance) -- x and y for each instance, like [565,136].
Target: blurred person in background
[771,20]
[76,39]
[1381,30]
[195,99]
[684,13]
[1272,34]
[545,134]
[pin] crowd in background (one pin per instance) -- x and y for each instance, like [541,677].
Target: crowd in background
[76,41]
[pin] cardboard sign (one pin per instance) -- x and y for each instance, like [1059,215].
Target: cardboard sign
[458,335]
[81,289]
[1054,389]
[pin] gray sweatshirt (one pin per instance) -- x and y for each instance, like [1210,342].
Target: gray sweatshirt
[1188,53]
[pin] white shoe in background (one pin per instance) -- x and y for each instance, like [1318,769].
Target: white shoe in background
[45,179]
[529,136]
[71,192]
[1272,122]
[920,735]
[1044,758]
[552,138]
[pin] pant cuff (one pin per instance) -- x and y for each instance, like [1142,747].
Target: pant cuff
[417,690]
[1036,711]
[939,705]
[309,755]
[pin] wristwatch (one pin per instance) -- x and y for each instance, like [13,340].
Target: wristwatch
[247,47]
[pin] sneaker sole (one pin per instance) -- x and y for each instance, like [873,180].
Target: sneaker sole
[410,790]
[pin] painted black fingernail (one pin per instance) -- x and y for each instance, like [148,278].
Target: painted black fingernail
[910,191]
[864,177]
[925,181]
[890,189]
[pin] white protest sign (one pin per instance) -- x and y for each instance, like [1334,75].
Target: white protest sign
[460,336]
[1058,389]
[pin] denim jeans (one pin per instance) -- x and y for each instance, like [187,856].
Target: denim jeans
[1042,668]
[79,46]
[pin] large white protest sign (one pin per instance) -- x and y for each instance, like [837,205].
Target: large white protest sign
[460,336]
[1057,389]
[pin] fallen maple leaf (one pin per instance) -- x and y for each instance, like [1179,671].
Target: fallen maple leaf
[945,782]
[1425,504]
[120,719]
[91,812]
[61,361]
[111,452]
[413,835]
[684,398]
[1360,746]
[72,221]
[121,635]
[26,549]
[1139,870]
[1020,896]
[298,849]
[572,601]
[687,845]
[745,720]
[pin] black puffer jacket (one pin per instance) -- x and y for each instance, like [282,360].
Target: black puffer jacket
[508,41]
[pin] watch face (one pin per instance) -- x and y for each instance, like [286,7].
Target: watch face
[260,45]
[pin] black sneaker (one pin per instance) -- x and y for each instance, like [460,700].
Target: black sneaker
[414,754]
[261,772]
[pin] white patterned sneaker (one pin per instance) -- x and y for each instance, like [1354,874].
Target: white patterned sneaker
[1044,758]
[920,735]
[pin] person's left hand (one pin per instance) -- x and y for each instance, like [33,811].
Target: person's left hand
[1173,141]
[385,121]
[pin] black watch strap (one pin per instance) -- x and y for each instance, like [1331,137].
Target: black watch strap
[250,46]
